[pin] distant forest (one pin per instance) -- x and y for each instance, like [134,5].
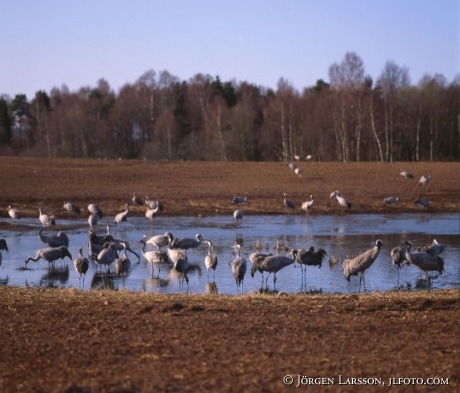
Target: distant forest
[159,117]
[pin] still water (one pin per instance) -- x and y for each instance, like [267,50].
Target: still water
[339,235]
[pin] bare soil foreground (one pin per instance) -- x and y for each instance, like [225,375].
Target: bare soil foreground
[103,341]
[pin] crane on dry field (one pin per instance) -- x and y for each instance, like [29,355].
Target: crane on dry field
[307,205]
[406,174]
[341,200]
[13,213]
[288,203]
[360,263]
[45,219]
[71,208]
[137,200]
[95,209]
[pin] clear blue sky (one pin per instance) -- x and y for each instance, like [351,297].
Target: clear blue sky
[48,43]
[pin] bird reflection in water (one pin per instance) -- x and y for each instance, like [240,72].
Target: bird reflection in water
[55,276]
[155,284]
[103,281]
[211,288]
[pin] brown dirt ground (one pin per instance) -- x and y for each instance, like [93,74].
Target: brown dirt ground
[101,341]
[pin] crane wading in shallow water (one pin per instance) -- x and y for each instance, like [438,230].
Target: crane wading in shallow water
[359,264]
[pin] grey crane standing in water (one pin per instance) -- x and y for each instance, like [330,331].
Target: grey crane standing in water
[435,248]
[309,257]
[45,219]
[71,208]
[238,216]
[61,239]
[210,261]
[122,265]
[307,205]
[14,214]
[406,174]
[107,255]
[424,261]
[95,209]
[81,265]
[186,243]
[93,219]
[256,259]
[341,200]
[273,264]
[51,255]
[398,257]
[4,245]
[180,264]
[360,263]
[159,240]
[123,216]
[288,203]
[239,267]
[154,257]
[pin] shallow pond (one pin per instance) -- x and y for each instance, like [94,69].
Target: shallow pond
[340,236]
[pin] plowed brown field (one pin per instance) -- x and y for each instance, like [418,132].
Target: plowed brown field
[102,341]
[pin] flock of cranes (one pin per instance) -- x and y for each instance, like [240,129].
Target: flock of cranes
[105,250]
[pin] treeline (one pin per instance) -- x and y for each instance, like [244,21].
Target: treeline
[159,117]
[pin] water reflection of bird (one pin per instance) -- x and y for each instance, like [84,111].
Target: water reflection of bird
[51,255]
[60,274]
[210,261]
[211,288]
[239,267]
[360,263]
[81,265]
[424,261]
